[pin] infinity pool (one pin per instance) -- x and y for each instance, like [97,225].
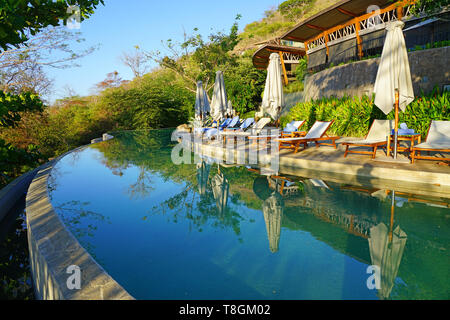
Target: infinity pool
[206,231]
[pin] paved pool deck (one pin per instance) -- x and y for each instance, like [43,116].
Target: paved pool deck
[326,162]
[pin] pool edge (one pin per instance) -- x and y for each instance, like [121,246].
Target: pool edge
[53,248]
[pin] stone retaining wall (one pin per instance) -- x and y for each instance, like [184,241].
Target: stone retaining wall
[429,68]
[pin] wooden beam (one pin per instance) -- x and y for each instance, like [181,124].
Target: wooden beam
[286,81]
[360,18]
[315,27]
[295,38]
[348,13]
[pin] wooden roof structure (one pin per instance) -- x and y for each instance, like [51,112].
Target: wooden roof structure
[262,55]
[336,15]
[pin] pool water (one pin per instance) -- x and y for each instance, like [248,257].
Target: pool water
[207,231]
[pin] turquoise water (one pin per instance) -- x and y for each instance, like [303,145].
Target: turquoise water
[205,231]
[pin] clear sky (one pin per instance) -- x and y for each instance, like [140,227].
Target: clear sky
[121,24]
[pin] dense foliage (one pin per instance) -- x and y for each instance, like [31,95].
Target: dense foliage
[18,18]
[15,161]
[294,8]
[353,116]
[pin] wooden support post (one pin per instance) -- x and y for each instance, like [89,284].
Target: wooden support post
[358,38]
[326,44]
[399,13]
[284,68]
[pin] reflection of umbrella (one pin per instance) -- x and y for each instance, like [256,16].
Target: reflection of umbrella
[273,213]
[386,251]
[261,188]
[273,100]
[393,85]
[220,187]
[219,103]
[201,102]
[383,195]
[202,176]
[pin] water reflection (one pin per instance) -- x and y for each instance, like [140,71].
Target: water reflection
[386,250]
[220,187]
[273,214]
[203,169]
[275,217]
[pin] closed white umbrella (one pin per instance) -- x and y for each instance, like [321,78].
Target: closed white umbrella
[219,103]
[273,99]
[230,109]
[201,102]
[393,85]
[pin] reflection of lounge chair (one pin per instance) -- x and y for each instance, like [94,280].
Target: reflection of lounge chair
[438,140]
[319,183]
[316,134]
[377,137]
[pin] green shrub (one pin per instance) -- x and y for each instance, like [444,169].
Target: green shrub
[353,116]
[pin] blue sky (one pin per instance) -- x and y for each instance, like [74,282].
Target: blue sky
[121,24]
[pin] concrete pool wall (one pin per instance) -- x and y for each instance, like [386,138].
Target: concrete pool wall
[54,251]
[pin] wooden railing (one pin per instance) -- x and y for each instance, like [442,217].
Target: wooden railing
[358,25]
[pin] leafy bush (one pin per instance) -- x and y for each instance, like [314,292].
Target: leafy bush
[294,8]
[353,116]
[245,85]
[15,161]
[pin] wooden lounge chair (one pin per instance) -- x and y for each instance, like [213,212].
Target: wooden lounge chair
[287,133]
[317,134]
[377,137]
[438,140]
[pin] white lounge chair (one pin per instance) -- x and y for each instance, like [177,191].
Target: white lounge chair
[291,130]
[254,130]
[438,140]
[317,134]
[377,137]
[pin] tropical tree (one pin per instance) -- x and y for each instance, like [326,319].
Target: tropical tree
[197,59]
[20,19]
[137,61]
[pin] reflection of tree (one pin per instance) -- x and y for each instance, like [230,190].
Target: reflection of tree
[199,209]
[15,274]
[81,222]
[142,187]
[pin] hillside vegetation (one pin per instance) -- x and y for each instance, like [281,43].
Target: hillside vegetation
[279,20]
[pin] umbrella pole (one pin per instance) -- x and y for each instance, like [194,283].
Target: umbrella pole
[391,227]
[396,123]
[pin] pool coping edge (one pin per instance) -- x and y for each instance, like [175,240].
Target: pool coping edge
[53,249]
